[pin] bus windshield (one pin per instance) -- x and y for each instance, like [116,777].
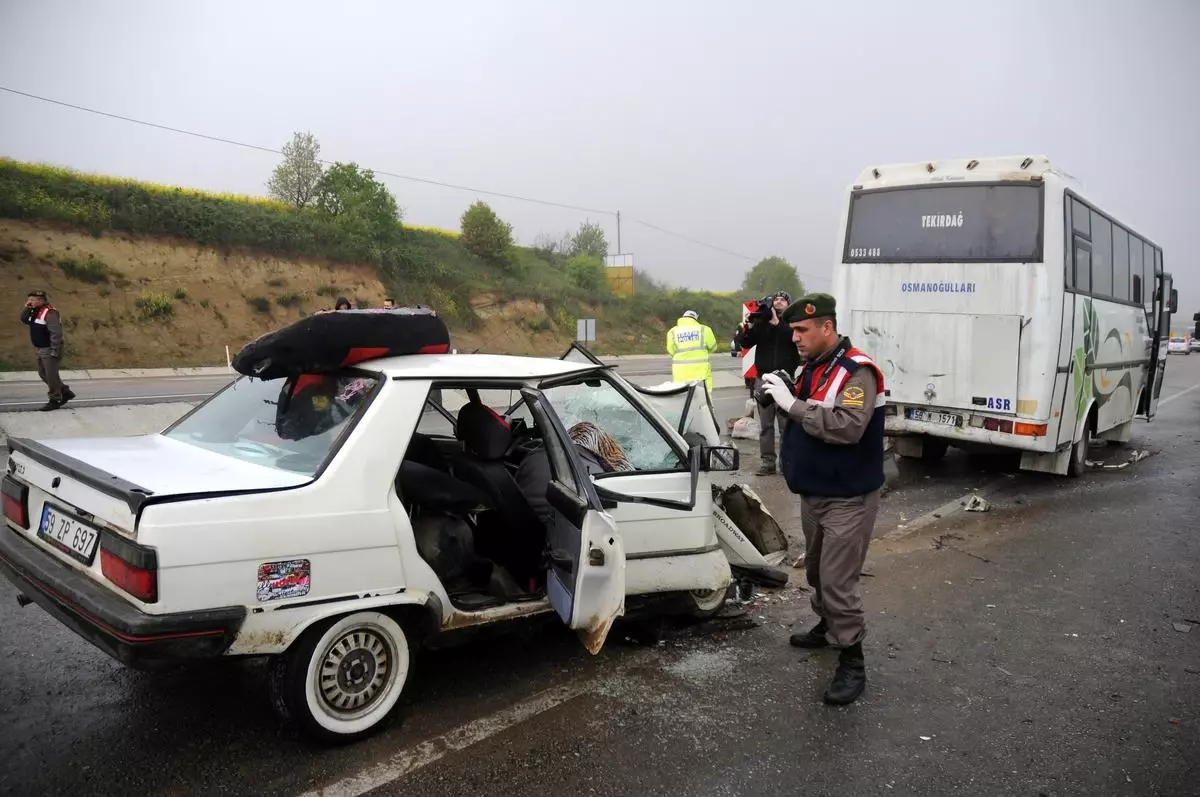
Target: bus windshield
[948,223]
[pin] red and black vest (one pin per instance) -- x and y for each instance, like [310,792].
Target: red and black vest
[39,333]
[814,467]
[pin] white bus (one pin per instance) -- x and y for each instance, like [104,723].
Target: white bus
[1006,308]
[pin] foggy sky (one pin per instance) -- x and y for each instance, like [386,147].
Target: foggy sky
[738,124]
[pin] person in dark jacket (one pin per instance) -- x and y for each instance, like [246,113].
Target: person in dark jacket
[774,351]
[46,335]
[832,457]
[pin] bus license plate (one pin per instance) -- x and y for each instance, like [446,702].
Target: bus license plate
[941,418]
[65,532]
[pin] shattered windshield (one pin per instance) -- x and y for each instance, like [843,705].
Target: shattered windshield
[599,403]
[290,425]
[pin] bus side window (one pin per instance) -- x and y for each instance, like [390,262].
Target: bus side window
[1135,268]
[1083,266]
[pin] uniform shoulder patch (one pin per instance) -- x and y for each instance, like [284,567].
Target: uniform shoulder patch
[853,397]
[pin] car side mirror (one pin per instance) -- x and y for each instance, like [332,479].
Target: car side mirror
[720,458]
[1173,304]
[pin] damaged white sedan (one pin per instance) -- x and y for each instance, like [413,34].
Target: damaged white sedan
[337,521]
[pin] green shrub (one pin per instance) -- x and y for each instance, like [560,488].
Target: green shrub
[93,270]
[181,295]
[261,304]
[587,273]
[484,233]
[153,305]
[327,290]
[289,299]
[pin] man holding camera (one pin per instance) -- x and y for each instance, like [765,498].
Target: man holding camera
[832,456]
[775,351]
[46,334]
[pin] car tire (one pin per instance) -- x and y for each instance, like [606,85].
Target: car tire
[329,683]
[704,603]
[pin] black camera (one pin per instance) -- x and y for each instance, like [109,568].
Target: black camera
[765,307]
[763,397]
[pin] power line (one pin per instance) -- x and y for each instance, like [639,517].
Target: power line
[408,177]
[273,151]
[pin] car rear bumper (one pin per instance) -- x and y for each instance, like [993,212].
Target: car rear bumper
[120,629]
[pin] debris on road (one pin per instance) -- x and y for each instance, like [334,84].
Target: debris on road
[1182,628]
[743,428]
[975,503]
[1135,456]
[799,561]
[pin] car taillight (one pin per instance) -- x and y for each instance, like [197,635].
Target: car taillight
[130,567]
[16,501]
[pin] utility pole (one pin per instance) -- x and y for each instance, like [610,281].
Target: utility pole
[619,249]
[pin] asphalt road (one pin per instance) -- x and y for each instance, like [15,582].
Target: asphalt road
[24,396]
[1048,646]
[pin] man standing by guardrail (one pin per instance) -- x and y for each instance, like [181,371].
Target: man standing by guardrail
[46,334]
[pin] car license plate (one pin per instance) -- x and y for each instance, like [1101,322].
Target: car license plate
[66,532]
[942,418]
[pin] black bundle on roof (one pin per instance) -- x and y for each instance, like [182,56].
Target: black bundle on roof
[326,342]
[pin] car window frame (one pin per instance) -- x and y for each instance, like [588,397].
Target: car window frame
[338,444]
[676,442]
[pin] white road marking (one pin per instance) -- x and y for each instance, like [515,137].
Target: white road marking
[116,399]
[1180,394]
[943,511]
[429,751]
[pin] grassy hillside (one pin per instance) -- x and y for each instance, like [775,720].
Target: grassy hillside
[153,276]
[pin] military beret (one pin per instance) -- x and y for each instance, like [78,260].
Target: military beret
[812,305]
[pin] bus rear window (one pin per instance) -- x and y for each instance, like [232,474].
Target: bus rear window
[946,224]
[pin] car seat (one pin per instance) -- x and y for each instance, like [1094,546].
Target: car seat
[512,535]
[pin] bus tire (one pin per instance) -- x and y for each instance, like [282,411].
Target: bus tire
[1079,452]
[933,449]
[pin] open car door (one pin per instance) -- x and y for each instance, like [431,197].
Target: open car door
[586,577]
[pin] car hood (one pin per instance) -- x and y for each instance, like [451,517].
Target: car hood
[171,467]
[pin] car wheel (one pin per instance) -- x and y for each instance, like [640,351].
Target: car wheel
[341,679]
[704,603]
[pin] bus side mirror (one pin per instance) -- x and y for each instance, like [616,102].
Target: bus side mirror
[1173,305]
[1196,318]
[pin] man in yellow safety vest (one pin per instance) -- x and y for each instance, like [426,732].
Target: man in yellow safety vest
[689,343]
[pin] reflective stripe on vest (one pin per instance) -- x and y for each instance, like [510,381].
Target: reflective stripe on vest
[827,387]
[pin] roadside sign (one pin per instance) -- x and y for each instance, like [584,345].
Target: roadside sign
[585,330]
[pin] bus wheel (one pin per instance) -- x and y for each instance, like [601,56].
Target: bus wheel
[1079,452]
[933,449]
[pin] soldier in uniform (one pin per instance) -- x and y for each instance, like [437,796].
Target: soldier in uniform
[832,457]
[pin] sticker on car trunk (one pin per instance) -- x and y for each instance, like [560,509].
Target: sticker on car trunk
[278,580]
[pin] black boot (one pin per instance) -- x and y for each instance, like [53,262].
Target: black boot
[850,679]
[812,638]
[68,394]
[765,469]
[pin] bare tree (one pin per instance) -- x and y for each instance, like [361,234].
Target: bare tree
[295,180]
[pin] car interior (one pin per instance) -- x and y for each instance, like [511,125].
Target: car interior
[476,494]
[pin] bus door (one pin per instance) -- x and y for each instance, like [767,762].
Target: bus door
[1165,299]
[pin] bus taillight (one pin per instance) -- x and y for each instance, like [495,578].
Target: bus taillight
[1030,429]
